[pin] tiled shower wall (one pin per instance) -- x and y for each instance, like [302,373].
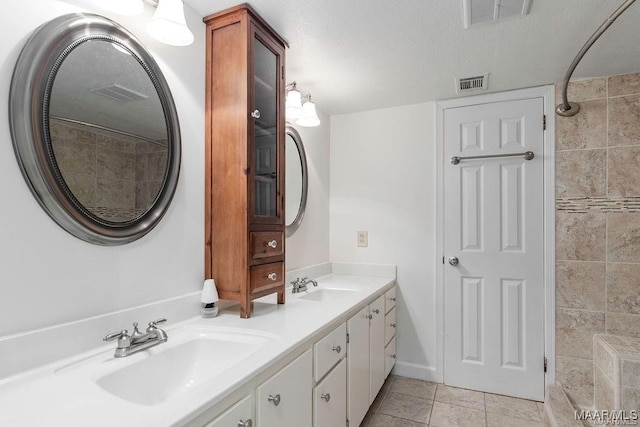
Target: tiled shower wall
[115,178]
[597,225]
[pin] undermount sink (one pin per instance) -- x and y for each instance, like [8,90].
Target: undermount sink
[169,370]
[327,294]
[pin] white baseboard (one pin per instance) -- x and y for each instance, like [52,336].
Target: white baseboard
[413,370]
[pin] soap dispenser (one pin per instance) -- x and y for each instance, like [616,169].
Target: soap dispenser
[208,299]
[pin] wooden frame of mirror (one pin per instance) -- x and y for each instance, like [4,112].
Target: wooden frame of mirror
[291,132]
[29,114]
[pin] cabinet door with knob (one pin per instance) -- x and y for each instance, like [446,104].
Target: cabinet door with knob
[285,399]
[376,347]
[330,398]
[239,415]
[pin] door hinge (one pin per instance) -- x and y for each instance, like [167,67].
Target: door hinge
[443,260]
[282,68]
[544,122]
[545,364]
[347,338]
[347,423]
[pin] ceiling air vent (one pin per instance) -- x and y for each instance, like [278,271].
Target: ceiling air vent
[472,84]
[119,93]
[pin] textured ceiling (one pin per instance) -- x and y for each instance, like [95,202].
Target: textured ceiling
[356,55]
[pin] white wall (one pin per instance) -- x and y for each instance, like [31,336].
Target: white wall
[383,180]
[48,276]
[310,243]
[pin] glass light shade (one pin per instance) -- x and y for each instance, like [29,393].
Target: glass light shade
[294,104]
[168,24]
[122,7]
[309,116]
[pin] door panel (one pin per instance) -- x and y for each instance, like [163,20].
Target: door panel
[493,224]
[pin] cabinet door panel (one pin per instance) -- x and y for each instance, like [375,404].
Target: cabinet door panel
[240,412]
[329,350]
[389,326]
[376,347]
[390,299]
[291,390]
[358,367]
[330,398]
[389,356]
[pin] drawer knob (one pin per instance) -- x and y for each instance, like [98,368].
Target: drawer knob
[393,325]
[392,299]
[255,114]
[272,276]
[376,311]
[337,349]
[273,244]
[369,316]
[247,423]
[274,399]
[325,396]
[393,356]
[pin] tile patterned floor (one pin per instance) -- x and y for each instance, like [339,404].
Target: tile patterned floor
[406,402]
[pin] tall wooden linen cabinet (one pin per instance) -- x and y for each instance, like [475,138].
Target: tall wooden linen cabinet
[245,157]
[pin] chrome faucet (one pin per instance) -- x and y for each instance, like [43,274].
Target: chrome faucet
[300,285]
[138,341]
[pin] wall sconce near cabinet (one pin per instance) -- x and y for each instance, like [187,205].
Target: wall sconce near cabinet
[300,108]
[168,24]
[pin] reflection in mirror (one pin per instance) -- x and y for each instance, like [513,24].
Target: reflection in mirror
[108,132]
[296,180]
[95,129]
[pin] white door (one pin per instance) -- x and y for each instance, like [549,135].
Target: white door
[493,226]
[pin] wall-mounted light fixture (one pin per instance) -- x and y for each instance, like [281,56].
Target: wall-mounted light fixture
[168,24]
[300,108]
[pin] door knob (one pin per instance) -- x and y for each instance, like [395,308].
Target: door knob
[453,260]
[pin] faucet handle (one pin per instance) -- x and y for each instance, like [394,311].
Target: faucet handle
[122,334]
[304,279]
[154,323]
[295,282]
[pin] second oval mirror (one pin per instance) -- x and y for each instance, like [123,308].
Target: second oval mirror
[296,180]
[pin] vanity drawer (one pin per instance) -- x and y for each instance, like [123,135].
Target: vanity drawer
[390,299]
[329,350]
[266,244]
[389,356]
[266,276]
[389,326]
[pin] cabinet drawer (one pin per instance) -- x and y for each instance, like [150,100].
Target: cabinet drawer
[266,244]
[389,326]
[239,413]
[284,400]
[390,299]
[329,350]
[330,398]
[267,276]
[389,356]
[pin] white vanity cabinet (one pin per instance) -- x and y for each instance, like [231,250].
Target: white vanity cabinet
[390,328]
[365,359]
[239,415]
[284,400]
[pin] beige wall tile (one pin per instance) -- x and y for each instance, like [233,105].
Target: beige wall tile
[588,129]
[583,90]
[580,285]
[78,157]
[156,165]
[604,393]
[110,193]
[109,142]
[603,358]
[630,399]
[623,168]
[581,173]
[624,120]
[623,288]
[580,237]
[626,325]
[111,163]
[83,188]
[576,378]
[625,84]
[631,373]
[623,237]
[575,330]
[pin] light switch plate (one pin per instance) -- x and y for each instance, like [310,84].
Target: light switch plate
[363,239]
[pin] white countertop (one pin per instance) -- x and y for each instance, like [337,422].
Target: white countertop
[66,393]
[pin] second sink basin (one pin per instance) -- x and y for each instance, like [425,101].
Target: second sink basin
[328,294]
[171,369]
